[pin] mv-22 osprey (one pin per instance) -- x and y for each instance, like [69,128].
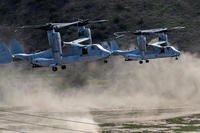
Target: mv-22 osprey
[145,51]
[61,53]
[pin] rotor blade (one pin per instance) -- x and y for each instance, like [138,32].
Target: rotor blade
[147,32]
[83,22]
[87,21]
[50,26]
[58,26]
[98,21]
[159,30]
[33,27]
[151,31]
[176,28]
[121,34]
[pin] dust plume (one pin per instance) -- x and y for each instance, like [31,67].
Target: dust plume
[35,92]
[163,83]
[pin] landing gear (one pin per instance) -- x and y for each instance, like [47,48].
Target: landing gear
[128,60]
[141,62]
[54,69]
[34,66]
[176,58]
[63,67]
[105,61]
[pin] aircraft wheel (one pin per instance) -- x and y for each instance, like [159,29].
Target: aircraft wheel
[141,62]
[128,60]
[54,69]
[105,61]
[63,67]
[176,58]
[147,61]
[34,66]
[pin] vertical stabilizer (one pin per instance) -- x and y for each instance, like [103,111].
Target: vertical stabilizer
[114,45]
[16,47]
[105,45]
[5,55]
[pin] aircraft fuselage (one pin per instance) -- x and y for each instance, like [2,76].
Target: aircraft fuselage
[153,51]
[71,54]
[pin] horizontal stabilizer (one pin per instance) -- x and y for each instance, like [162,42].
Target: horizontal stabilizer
[5,55]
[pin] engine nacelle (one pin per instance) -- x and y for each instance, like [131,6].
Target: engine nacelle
[84,32]
[162,37]
[55,43]
[142,43]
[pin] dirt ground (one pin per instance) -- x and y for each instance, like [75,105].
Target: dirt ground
[24,120]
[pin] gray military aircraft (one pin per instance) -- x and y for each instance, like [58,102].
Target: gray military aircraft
[145,51]
[62,53]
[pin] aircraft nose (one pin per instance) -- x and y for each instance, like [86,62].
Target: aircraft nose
[178,53]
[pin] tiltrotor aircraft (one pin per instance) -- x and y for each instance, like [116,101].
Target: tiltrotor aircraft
[61,53]
[145,51]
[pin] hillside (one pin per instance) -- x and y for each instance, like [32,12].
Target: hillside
[123,15]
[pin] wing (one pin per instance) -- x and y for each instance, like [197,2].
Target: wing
[81,40]
[162,43]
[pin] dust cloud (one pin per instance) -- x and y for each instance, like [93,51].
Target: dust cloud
[163,83]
